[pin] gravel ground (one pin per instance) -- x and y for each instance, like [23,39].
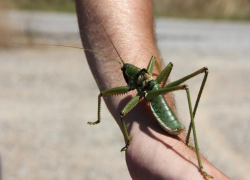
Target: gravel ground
[48,94]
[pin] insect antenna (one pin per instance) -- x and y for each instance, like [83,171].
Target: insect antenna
[122,62]
[75,47]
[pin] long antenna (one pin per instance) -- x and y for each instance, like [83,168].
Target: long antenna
[108,35]
[75,47]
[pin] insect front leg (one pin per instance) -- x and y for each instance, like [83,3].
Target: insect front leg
[164,74]
[109,92]
[151,64]
[129,106]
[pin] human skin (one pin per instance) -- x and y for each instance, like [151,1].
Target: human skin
[153,154]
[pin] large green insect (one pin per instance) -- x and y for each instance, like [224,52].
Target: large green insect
[153,90]
[148,88]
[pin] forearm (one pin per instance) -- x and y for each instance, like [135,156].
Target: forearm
[128,23]
[130,26]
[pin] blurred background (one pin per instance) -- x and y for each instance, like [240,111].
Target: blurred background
[47,94]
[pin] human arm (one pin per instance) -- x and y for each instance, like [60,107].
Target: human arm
[153,154]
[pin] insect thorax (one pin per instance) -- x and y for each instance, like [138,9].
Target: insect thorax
[145,81]
[137,78]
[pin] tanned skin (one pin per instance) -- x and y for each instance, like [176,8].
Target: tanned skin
[153,154]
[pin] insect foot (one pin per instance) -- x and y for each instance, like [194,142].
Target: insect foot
[206,70]
[205,173]
[185,86]
[191,147]
[126,147]
[94,123]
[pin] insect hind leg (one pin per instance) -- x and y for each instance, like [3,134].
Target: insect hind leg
[180,81]
[194,134]
[165,90]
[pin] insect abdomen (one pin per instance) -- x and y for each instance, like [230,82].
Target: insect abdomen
[165,115]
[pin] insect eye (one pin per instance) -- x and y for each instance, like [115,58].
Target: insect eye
[124,67]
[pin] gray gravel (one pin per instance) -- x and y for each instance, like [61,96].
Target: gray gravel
[48,94]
